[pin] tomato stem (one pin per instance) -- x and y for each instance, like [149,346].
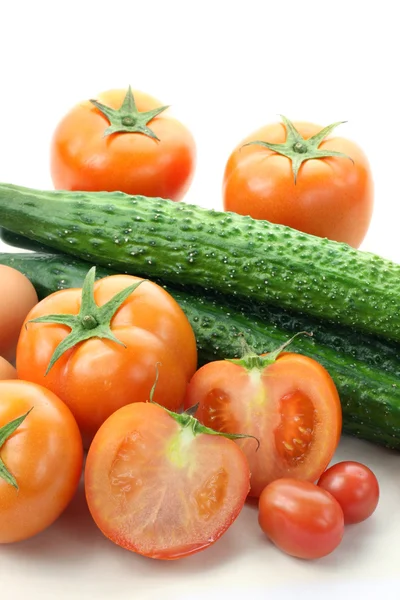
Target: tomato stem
[298,149]
[91,321]
[127,118]
[5,433]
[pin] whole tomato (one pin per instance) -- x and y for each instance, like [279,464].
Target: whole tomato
[290,174]
[41,459]
[301,518]
[98,348]
[126,142]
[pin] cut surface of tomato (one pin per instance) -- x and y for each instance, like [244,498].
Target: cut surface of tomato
[161,489]
[291,406]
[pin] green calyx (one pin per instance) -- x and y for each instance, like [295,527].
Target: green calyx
[186,420]
[250,360]
[91,321]
[5,432]
[298,149]
[127,118]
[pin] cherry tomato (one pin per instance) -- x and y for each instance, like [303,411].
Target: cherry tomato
[97,376]
[355,487]
[130,160]
[291,406]
[159,485]
[300,518]
[43,458]
[331,196]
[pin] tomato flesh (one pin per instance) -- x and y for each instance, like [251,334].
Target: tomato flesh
[157,489]
[300,518]
[291,406]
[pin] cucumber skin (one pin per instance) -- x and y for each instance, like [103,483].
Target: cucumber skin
[218,251]
[369,392]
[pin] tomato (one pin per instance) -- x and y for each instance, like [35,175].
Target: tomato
[97,376]
[43,458]
[291,406]
[7,371]
[331,196]
[160,485]
[355,487]
[300,518]
[17,297]
[130,160]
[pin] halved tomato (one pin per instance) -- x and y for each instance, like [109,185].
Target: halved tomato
[162,485]
[287,401]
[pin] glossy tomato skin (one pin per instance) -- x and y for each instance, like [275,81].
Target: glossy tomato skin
[44,455]
[300,518]
[98,376]
[83,159]
[332,197]
[155,489]
[292,407]
[355,487]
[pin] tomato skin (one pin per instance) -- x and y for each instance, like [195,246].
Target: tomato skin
[98,376]
[143,468]
[45,456]
[332,197]
[236,400]
[83,159]
[300,518]
[355,487]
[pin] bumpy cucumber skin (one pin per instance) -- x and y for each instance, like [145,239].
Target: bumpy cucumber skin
[368,388]
[229,253]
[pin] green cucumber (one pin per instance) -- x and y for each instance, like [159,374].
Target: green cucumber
[19,241]
[365,370]
[225,252]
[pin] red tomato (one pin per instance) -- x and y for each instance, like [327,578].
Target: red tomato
[355,487]
[84,158]
[97,376]
[291,406]
[160,487]
[300,518]
[331,197]
[43,455]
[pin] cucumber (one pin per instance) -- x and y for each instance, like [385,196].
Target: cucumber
[19,241]
[229,253]
[365,370]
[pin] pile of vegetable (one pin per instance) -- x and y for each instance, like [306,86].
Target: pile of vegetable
[200,357]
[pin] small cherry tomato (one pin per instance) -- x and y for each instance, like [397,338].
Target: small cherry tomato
[355,487]
[301,518]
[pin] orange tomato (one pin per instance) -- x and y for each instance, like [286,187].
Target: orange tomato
[158,485]
[332,197]
[97,376]
[83,158]
[43,455]
[291,406]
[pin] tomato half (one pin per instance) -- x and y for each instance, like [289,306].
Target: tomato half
[291,406]
[84,158]
[355,487]
[160,488]
[300,518]
[43,455]
[331,197]
[98,376]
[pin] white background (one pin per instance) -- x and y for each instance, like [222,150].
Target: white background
[226,67]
